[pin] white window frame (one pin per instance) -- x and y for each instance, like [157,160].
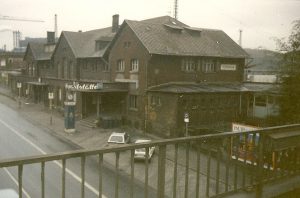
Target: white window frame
[209,66]
[120,65]
[133,101]
[188,65]
[134,66]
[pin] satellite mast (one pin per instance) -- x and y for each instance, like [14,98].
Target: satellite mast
[240,39]
[55,25]
[176,9]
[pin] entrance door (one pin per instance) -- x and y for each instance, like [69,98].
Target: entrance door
[89,103]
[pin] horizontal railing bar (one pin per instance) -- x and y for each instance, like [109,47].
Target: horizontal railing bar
[118,148]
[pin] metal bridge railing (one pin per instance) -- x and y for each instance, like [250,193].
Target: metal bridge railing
[209,165]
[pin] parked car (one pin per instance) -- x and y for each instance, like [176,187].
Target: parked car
[140,154]
[119,138]
[9,193]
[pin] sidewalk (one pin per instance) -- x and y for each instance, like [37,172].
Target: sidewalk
[92,138]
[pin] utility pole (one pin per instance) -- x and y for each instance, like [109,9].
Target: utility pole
[19,85]
[50,97]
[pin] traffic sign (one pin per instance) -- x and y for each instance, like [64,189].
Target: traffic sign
[186,117]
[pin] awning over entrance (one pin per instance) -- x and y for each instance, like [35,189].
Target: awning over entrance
[100,90]
[38,83]
[97,87]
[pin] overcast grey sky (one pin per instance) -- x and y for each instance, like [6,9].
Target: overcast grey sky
[260,20]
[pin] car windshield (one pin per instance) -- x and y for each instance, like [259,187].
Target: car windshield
[116,139]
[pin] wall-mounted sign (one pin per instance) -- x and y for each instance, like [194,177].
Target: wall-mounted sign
[84,86]
[236,127]
[19,85]
[228,67]
[50,95]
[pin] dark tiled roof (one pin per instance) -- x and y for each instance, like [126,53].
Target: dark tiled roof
[39,52]
[190,87]
[83,43]
[263,87]
[24,43]
[167,36]
[215,87]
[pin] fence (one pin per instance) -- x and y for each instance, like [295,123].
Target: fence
[200,166]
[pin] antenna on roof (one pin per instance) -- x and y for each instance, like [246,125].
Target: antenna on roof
[55,25]
[240,39]
[175,9]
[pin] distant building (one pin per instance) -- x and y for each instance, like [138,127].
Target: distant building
[154,55]
[10,63]
[264,66]
[148,75]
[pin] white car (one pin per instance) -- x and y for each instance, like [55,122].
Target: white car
[8,193]
[119,138]
[140,154]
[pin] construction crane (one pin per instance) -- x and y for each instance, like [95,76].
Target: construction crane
[2,17]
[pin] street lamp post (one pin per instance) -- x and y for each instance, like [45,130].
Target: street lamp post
[19,85]
[186,120]
[50,96]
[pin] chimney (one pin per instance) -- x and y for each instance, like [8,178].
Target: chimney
[115,23]
[50,37]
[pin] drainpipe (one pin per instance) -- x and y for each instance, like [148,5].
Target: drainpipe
[146,96]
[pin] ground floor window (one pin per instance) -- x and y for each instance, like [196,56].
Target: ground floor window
[133,101]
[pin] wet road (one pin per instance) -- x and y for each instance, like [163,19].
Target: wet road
[19,138]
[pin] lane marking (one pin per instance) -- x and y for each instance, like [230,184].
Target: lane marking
[76,177]
[16,182]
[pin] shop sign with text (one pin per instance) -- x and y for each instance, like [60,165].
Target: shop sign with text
[84,86]
[228,67]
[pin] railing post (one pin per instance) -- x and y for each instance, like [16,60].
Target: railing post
[132,173]
[146,172]
[260,166]
[175,171]
[100,169]
[20,176]
[43,179]
[187,164]
[117,175]
[82,175]
[63,179]
[161,172]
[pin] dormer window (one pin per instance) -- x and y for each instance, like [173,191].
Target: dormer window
[101,45]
